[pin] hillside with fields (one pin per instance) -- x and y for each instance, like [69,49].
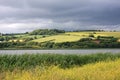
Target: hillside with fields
[75,36]
[53,38]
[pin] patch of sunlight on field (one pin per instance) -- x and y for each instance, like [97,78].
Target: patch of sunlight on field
[15,40]
[86,34]
[59,38]
[109,70]
[114,34]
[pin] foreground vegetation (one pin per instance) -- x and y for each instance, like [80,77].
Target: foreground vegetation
[26,61]
[86,67]
[98,71]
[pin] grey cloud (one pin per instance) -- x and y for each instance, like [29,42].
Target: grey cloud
[60,13]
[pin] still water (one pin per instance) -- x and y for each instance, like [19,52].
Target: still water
[79,51]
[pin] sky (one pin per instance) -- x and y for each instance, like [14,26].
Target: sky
[27,15]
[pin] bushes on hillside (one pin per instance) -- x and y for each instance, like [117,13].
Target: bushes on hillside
[46,32]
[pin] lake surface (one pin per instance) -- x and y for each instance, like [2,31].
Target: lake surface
[79,51]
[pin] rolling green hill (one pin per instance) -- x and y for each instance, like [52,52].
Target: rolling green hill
[76,40]
[75,36]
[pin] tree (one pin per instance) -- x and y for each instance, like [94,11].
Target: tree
[91,35]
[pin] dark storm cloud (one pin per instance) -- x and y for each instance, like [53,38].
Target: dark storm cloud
[63,14]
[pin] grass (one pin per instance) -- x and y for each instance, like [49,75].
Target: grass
[75,36]
[115,34]
[22,37]
[60,67]
[109,70]
[26,61]
[27,36]
[59,38]
[86,34]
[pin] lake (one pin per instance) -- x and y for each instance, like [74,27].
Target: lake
[76,51]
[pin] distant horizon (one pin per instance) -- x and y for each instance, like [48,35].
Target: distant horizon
[64,30]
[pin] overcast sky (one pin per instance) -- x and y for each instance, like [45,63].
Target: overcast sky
[27,15]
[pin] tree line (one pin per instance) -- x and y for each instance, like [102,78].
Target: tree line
[46,32]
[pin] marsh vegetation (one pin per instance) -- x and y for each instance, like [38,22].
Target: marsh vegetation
[60,67]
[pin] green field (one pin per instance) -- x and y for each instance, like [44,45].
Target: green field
[21,38]
[59,38]
[114,34]
[27,36]
[75,36]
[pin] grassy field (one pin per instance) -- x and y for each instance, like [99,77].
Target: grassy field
[59,38]
[21,38]
[27,36]
[114,34]
[86,34]
[105,68]
[75,36]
